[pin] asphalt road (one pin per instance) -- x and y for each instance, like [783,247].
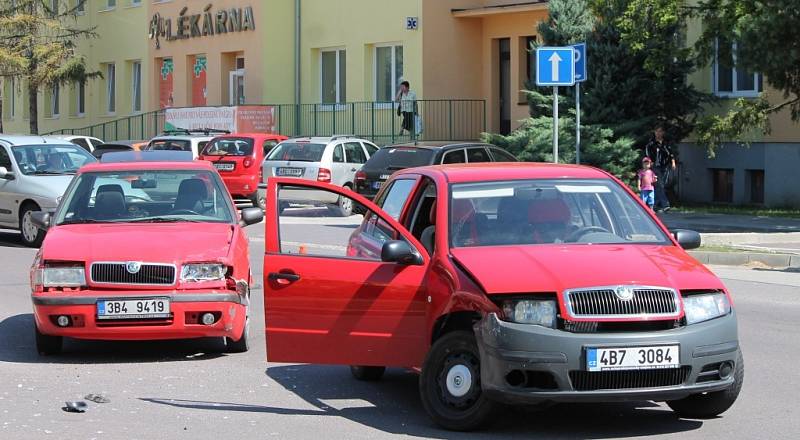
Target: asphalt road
[190,389]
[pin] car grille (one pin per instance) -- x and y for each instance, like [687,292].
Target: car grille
[607,302]
[620,326]
[627,379]
[117,273]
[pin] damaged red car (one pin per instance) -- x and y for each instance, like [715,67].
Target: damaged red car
[143,247]
[520,284]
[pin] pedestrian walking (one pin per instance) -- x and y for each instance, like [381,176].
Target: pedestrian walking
[407,108]
[660,152]
[647,179]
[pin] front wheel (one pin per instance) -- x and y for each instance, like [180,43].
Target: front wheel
[450,383]
[709,405]
[243,344]
[32,236]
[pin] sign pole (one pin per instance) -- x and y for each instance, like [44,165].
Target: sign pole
[555,124]
[578,123]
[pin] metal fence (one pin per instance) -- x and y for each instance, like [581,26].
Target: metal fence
[442,120]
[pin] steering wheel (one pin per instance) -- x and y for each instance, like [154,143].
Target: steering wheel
[580,232]
[184,211]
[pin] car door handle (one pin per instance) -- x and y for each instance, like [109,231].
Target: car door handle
[353,169]
[276,276]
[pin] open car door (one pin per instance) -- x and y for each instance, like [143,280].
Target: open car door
[340,290]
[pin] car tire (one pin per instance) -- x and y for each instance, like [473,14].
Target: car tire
[259,199]
[243,344]
[450,383]
[47,345]
[32,236]
[709,405]
[343,207]
[367,374]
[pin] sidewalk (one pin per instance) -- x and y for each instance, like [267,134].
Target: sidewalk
[771,241]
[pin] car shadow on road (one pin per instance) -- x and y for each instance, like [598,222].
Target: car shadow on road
[11,239]
[17,345]
[392,405]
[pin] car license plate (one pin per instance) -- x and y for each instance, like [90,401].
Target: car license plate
[140,308]
[377,184]
[294,172]
[224,166]
[633,358]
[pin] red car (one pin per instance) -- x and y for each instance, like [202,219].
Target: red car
[513,283]
[238,158]
[143,250]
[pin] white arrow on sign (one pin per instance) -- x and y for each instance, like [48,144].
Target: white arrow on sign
[554,60]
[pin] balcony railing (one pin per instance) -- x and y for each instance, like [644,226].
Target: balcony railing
[442,120]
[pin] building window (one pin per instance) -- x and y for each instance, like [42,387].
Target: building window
[111,4]
[136,93]
[136,2]
[111,88]
[80,7]
[54,7]
[723,184]
[334,76]
[730,81]
[11,94]
[388,71]
[54,102]
[80,99]
[756,185]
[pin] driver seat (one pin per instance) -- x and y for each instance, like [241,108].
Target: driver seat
[109,202]
[428,236]
[191,194]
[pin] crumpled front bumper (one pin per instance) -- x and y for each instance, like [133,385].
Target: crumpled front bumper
[544,358]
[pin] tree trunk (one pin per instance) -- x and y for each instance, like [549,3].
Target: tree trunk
[33,108]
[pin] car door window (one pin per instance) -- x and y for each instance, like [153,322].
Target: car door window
[354,152]
[338,154]
[268,146]
[454,156]
[95,142]
[83,143]
[501,155]
[394,198]
[371,149]
[477,154]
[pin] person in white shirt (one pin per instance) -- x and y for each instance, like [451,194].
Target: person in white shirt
[407,108]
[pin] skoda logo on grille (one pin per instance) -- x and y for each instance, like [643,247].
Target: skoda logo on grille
[133,266]
[624,293]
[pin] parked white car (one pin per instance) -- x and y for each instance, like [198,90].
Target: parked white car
[333,159]
[34,173]
[183,140]
[88,143]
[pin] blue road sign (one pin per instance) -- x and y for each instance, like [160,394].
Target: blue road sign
[555,66]
[580,62]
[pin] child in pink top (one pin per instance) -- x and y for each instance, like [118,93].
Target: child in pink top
[646,182]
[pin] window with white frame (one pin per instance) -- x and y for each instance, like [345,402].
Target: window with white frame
[388,71]
[13,95]
[54,103]
[333,76]
[136,93]
[730,80]
[111,88]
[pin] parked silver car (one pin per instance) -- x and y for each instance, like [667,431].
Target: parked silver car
[87,142]
[34,173]
[333,159]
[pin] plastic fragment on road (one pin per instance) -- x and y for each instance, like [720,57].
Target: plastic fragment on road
[76,407]
[97,398]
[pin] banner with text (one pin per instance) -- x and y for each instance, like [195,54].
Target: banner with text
[242,119]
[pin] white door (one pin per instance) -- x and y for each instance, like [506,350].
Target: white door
[8,190]
[236,91]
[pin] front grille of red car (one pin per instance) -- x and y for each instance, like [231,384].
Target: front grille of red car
[628,379]
[623,302]
[147,273]
[620,326]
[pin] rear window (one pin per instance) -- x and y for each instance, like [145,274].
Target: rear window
[170,145]
[399,158]
[229,147]
[298,151]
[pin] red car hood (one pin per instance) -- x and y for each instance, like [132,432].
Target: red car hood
[151,242]
[545,268]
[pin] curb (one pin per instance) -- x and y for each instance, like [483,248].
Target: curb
[742,258]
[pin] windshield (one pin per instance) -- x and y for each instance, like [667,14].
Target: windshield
[170,145]
[398,158]
[146,196]
[299,151]
[50,159]
[229,147]
[548,212]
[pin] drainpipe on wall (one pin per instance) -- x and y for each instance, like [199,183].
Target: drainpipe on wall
[297,95]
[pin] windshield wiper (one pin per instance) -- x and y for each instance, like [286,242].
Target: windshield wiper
[78,221]
[49,173]
[163,220]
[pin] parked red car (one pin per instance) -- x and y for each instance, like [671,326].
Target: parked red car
[238,158]
[143,250]
[514,283]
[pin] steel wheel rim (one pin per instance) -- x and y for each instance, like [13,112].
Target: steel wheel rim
[346,204]
[29,230]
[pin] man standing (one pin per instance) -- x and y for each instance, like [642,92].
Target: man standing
[664,163]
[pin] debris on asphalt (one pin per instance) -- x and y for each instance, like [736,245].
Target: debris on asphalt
[97,398]
[76,407]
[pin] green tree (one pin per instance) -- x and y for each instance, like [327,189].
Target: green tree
[37,47]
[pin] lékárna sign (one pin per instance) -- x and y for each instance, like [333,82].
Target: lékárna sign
[201,25]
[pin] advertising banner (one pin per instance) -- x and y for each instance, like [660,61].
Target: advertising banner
[199,90]
[241,119]
[256,119]
[165,98]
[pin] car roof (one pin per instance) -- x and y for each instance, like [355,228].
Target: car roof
[22,140]
[71,136]
[495,171]
[439,145]
[182,137]
[253,135]
[146,156]
[327,139]
[200,165]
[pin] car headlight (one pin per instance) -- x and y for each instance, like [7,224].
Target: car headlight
[61,276]
[203,272]
[530,311]
[702,307]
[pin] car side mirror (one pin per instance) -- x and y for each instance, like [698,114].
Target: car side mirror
[41,220]
[251,216]
[5,174]
[400,252]
[687,239]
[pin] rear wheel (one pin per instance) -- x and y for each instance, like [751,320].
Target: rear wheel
[46,344]
[708,405]
[450,383]
[343,207]
[32,236]
[259,199]
[365,373]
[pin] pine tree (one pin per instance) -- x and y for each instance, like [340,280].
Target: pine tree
[37,47]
